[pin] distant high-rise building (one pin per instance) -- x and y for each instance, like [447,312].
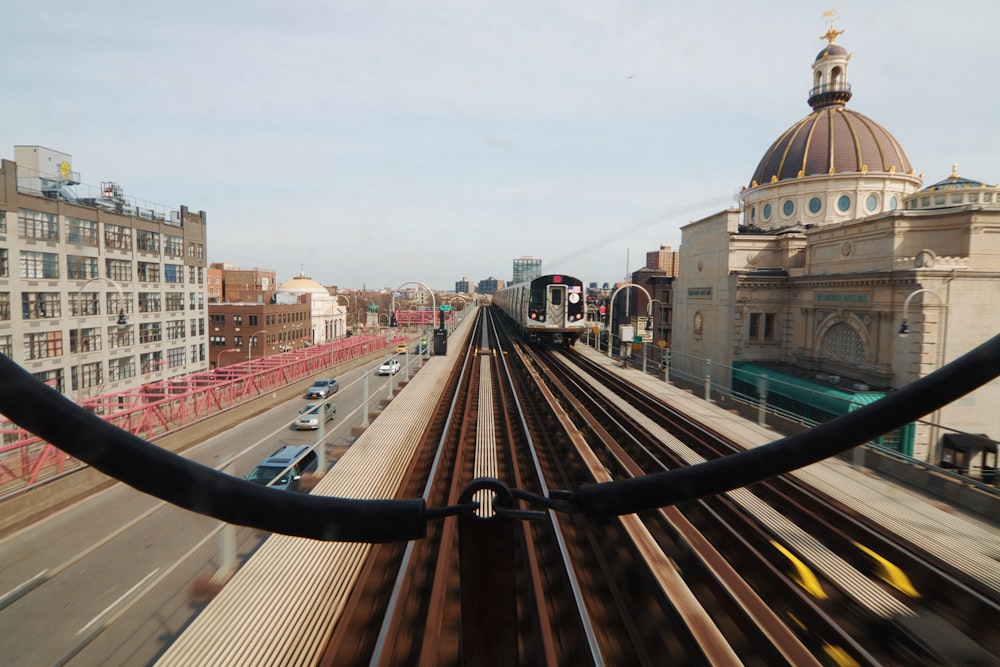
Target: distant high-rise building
[664,259]
[462,286]
[489,285]
[525,269]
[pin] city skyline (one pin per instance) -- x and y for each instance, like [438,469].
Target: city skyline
[381,144]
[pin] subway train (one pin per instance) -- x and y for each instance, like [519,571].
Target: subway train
[548,311]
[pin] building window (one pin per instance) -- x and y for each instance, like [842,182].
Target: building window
[173,246]
[149,332]
[149,272]
[91,375]
[843,343]
[753,214]
[82,232]
[173,273]
[84,303]
[251,320]
[150,361]
[767,211]
[175,357]
[893,203]
[217,320]
[237,320]
[121,369]
[5,307]
[40,305]
[761,326]
[844,203]
[118,269]
[7,345]
[149,302]
[81,268]
[90,340]
[119,303]
[4,263]
[216,340]
[39,264]
[37,225]
[43,345]
[146,241]
[174,301]
[117,237]
[175,329]
[121,336]
[815,204]
[53,378]
[788,207]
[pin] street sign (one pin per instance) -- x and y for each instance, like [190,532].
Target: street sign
[445,308]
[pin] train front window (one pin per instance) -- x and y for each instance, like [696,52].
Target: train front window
[555,297]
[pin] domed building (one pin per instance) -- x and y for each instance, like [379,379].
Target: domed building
[833,165]
[801,293]
[329,318]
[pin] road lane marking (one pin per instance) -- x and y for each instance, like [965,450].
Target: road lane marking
[20,591]
[112,605]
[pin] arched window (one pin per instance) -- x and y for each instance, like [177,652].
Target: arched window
[842,343]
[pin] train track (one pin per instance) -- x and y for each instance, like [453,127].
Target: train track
[515,574]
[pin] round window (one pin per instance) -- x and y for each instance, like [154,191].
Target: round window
[871,203]
[788,207]
[753,214]
[767,211]
[844,203]
[893,203]
[815,205]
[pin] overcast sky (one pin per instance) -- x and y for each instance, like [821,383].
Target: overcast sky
[381,142]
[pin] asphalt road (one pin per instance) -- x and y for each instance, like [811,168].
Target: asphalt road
[113,579]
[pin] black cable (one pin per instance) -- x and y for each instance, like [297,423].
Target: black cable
[897,409]
[48,414]
[175,479]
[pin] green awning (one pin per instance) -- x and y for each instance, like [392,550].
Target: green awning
[814,394]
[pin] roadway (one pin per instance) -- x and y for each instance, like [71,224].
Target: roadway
[114,578]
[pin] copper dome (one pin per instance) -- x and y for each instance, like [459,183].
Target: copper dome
[832,140]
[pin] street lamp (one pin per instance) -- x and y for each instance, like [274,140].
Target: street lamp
[904,331]
[611,307]
[121,322]
[218,357]
[250,342]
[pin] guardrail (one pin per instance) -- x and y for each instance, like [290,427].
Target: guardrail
[157,408]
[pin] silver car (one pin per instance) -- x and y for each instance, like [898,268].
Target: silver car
[322,388]
[308,419]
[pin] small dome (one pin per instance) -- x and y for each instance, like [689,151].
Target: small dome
[956,182]
[831,50]
[301,284]
[832,140]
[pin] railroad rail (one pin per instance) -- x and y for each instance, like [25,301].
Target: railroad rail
[512,573]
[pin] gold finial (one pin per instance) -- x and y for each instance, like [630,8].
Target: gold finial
[832,33]
[954,170]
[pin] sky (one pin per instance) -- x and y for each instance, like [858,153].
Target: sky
[388,142]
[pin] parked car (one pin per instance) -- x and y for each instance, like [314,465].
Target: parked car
[401,348]
[284,468]
[390,367]
[322,388]
[308,419]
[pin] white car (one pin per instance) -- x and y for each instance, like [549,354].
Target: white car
[309,416]
[390,367]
